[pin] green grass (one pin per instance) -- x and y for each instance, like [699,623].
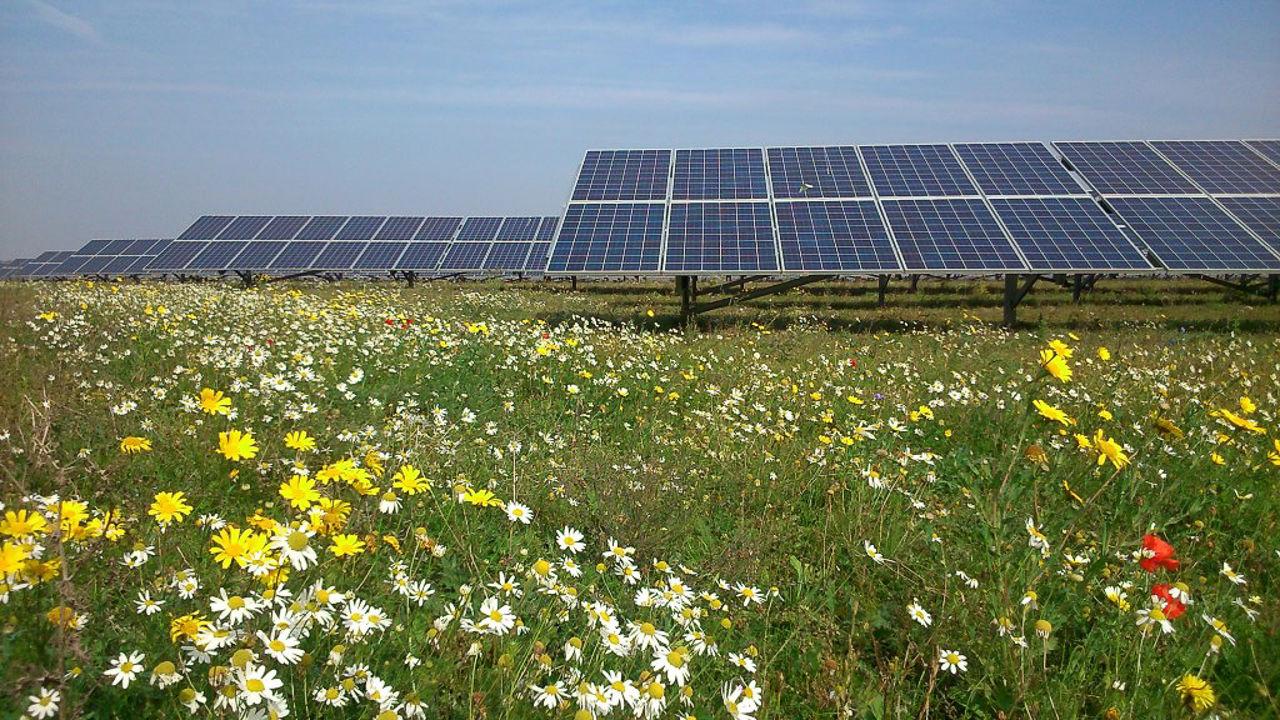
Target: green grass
[734,454]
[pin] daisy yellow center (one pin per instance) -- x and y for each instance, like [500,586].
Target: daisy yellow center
[235,602]
[278,646]
[656,691]
[495,616]
[297,540]
[648,628]
[126,667]
[255,685]
[675,658]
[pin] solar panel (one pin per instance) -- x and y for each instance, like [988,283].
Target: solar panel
[836,236]
[140,247]
[380,255]
[283,227]
[399,228]
[536,262]
[950,235]
[218,255]
[140,265]
[95,264]
[115,247]
[93,247]
[519,228]
[623,175]
[507,256]
[1194,234]
[1125,168]
[720,237]
[71,265]
[206,227]
[479,229]
[297,255]
[422,256]
[438,229]
[1222,166]
[1259,214]
[465,256]
[720,174]
[360,227]
[323,227]
[257,255]
[1270,148]
[1018,168]
[245,227]
[1067,234]
[339,255]
[176,256]
[621,237]
[547,228]
[159,247]
[916,171]
[817,172]
[120,264]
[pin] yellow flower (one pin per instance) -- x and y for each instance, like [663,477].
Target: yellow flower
[1239,421]
[1167,428]
[1246,405]
[11,559]
[1052,413]
[214,402]
[1060,348]
[169,507]
[1055,364]
[1105,414]
[1109,450]
[1103,353]
[1274,456]
[21,523]
[409,480]
[1217,459]
[134,444]
[346,545]
[481,498]
[187,626]
[300,491]
[235,445]
[1196,694]
[232,544]
[299,440]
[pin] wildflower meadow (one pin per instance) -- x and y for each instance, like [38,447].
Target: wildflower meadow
[485,501]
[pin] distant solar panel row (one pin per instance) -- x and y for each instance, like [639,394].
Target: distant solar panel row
[968,207]
[421,244]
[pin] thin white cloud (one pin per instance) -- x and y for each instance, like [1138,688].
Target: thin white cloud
[65,21]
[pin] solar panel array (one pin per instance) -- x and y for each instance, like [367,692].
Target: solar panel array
[288,244]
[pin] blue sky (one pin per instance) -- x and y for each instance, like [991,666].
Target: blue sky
[124,118]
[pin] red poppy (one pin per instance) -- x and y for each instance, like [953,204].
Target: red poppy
[390,321]
[1158,554]
[1173,607]
[853,362]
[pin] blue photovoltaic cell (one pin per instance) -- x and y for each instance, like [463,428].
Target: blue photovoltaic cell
[1270,148]
[916,171]
[478,229]
[71,265]
[1019,168]
[360,227]
[720,174]
[94,264]
[507,256]
[176,256]
[283,227]
[1222,166]
[519,228]
[1124,168]
[339,255]
[159,247]
[245,227]
[720,237]
[623,175]
[257,255]
[141,264]
[206,227]
[297,255]
[380,256]
[844,235]
[399,228]
[437,228]
[1067,234]
[465,256]
[1194,234]
[217,255]
[422,256]
[949,235]
[93,247]
[547,228]
[1259,214]
[120,264]
[140,247]
[537,260]
[322,227]
[622,237]
[817,172]
[115,247]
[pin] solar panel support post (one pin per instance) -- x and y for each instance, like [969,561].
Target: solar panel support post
[246,278]
[1273,287]
[684,286]
[1077,285]
[882,286]
[573,283]
[915,284]
[1013,295]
